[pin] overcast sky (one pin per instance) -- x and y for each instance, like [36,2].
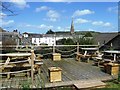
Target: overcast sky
[39,17]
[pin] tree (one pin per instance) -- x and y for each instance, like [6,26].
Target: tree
[65,41]
[61,41]
[50,32]
[84,40]
[69,41]
[88,34]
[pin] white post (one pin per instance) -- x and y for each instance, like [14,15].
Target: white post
[111,44]
[114,57]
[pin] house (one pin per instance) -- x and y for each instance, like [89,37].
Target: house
[108,41]
[9,40]
[5,35]
[31,38]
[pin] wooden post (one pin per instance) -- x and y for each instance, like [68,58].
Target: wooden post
[32,67]
[77,47]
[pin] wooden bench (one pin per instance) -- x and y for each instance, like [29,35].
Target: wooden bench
[98,59]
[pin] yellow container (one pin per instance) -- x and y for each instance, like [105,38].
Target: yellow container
[56,56]
[112,69]
[55,74]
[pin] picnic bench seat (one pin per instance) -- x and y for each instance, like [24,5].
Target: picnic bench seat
[98,59]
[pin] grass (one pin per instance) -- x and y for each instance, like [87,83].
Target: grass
[113,85]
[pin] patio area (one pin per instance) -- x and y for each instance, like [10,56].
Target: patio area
[73,72]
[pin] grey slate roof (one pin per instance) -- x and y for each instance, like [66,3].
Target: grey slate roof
[104,38]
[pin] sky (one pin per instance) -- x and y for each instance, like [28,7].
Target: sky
[39,17]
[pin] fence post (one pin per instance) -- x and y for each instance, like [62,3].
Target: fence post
[77,47]
[32,67]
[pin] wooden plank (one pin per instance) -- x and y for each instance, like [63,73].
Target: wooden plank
[85,85]
[12,83]
[37,81]
[16,82]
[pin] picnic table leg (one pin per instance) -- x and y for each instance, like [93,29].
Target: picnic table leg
[8,76]
[28,74]
[79,59]
[114,57]
[88,59]
[76,57]
[98,63]
[39,70]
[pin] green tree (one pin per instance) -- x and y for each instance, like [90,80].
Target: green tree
[50,32]
[69,41]
[65,41]
[84,40]
[88,34]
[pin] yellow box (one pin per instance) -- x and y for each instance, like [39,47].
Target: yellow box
[55,74]
[56,56]
[112,69]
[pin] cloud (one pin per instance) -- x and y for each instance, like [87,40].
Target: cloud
[89,29]
[53,15]
[101,23]
[82,12]
[80,20]
[20,3]
[42,8]
[2,15]
[78,0]
[113,9]
[59,28]
[42,26]
[54,0]
[5,23]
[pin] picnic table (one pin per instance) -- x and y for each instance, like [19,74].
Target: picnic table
[8,64]
[86,54]
[114,52]
[25,65]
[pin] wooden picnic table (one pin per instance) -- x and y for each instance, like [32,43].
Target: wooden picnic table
[79,56]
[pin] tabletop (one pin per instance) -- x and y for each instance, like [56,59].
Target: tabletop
[89,48]
[16,54]
[112,51]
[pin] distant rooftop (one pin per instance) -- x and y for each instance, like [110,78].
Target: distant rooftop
[103,38]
